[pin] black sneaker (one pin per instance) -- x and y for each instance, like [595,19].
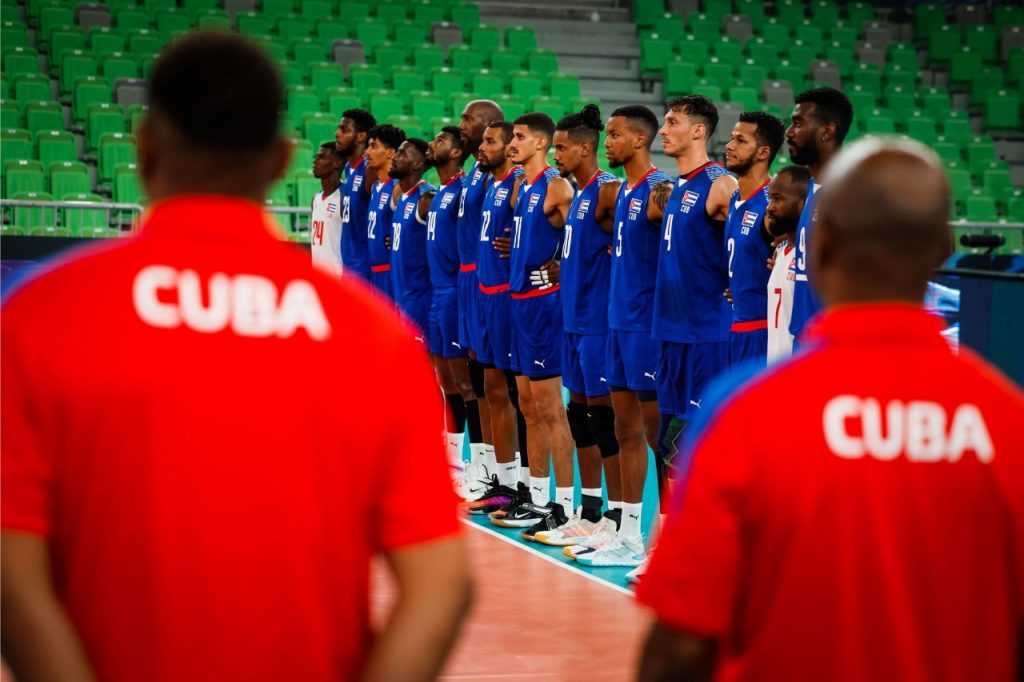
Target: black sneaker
[523,515]
[552,521]
[494,497]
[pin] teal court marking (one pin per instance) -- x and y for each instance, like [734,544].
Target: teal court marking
[614,577]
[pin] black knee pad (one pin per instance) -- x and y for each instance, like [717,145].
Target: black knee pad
[476,376]
[601,420]
[578,425]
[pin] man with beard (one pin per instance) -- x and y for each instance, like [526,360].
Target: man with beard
[786,195]
[475,118]
[583,274]
[410,275]
[756,139]
[445,153]
[819,123]
[325,220]
[350,139]
[382,143]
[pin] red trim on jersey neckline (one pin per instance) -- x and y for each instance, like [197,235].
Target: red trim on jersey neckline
[641,179]
[496,289]
[751,326]
[453,179]
[698,169]
[380,268]
[595,176]
[467,267]
[405,195]
[787,248]
[763,185]
[534,293]
[505,176]
[542,172]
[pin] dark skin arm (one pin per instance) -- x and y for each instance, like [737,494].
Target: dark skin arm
[658,202]
[673,656]
[39,641]
[503,244]
[423,207]
[605,216]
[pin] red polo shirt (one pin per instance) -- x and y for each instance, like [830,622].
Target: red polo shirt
[200,425]
[855,514]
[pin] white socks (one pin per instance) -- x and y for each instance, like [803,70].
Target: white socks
[482,455]
[524,472]
[455,443]
[540,490]
[563,496]
[631,514]
[508,473]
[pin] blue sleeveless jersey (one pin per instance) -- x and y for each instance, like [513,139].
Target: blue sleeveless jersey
[805,302]
[410,275]
[689,305]
[496,216]
[378,222]
[442,228]
[748,255]
[534,239]
[354,204]
[586,264]
[634,257]
[474,187]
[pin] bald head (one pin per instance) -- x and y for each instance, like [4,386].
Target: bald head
[475,118]
[882,223]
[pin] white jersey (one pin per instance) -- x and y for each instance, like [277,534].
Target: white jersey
[325,231]
[780,302]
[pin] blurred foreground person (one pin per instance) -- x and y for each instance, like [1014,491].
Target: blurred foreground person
[884,538]
[181,498]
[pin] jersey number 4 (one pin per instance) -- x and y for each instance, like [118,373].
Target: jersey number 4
[318,232]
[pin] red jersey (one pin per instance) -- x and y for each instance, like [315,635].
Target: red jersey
[883,540]
[190,419]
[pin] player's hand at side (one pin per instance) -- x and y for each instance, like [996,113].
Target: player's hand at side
[775,244]
[387,242]
[503,245]
[547,275]
[728,295]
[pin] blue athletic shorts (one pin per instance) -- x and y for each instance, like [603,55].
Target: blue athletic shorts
[468,292]
[493,342]
[748,346]
[583,362]
[381,281]
[416,310]
[632,360]
[537,335]
[686,370]
[444,324]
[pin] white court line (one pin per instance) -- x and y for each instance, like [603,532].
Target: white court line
[545,557]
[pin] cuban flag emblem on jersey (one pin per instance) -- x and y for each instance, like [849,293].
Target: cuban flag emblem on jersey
[500,196]
[749,218]
[332,208]
[446,199]
[408,210]
[690,198]
[534,199]
[356,181]
[582,210]
[635,204]
[383,200]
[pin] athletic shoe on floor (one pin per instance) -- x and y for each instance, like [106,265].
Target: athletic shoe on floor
[494,497]
[624,552]
[522,516]
[522,496]
[556,519]
[637,574]
[478,480]
[574,532]
[605,533]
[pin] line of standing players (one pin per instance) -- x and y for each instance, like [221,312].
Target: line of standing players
[522,278]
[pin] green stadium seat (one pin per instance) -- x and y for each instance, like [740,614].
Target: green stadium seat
[407,79]
[103,118]
[712,92]
[52,17]
[775,33]
[391,12]
[1015,209]
[520,39]
[762,51]
[196,6]
[371,33]
[485,38]
[339,100]
[728,50]
[504,60]
[23,175]
[276,49]
[717,9]
[466,15]
[1008,15]
[11,36]
[144,43]
[901,102]
[411,125]
[985,81]
[542,62]
[173,21]
[1002,110]
[86,222]
[130,20]
[291,27]
[949,152]
[878,122]
[68,177]
[670,25]
[114,148]
[922,128]
[984,40]
[996,180]
[859,12]
[980,151]
[55,145]
[306,187]
[11,115]
[254,24]
[487,83]
[512,106]
[426,105]
[324,75]
[959,184]
[843,57]
[274,200]
[564,86]
[784,70]
[136,114]
[811,36]
[5,86]
[28,219]
[799,54]
[156,6]
[753,9]
[680,76]
[655,52]
[861,98]
[645,14]
[935,102]
[119,65]
[717,71]
[843,33]
[868,76]
[385,103]
[695,49]
[291,73]
[981,208]
[389,55]
[427,57]
[365,77]
[89,90]
[127,185]
[319,126]
[465,58]
[32,87]
[700,24]
[411,32]
[824,13]
[525,85]
[790,12]
[330,29]
[957,129]
[20,60]
[445,80]
[75,64]
[318,10]
[16,143]
[63,40]
[751,74]
[944,41]
[552,106]
[302,156]
[458,102]
[426,12]
[927,17]
[744,96]
[302,100]
[213,19]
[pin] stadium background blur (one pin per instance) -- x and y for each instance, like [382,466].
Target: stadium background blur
[951,75]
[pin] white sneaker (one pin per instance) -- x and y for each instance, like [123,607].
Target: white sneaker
[625,552]
[478,480]
[576,531]
[605,533]
[637,574]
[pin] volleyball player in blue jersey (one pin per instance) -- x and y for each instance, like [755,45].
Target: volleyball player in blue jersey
[819,123]
[350,139]
[756,139]
[410,275]
[382,143]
